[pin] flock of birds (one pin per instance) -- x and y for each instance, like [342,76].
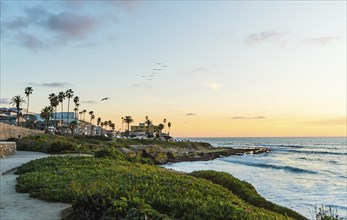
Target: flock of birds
[155,71]
[159,67]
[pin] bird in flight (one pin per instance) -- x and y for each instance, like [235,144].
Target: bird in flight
[104,99]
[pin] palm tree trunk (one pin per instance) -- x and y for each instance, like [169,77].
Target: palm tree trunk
[68,108]
[62,116]
[26,121]
[18,117]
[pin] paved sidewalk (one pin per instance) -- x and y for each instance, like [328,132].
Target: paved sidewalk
[14,161]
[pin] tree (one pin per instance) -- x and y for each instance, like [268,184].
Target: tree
[148,123]
[165,124]
[84,114]
[169,125]
[46,114]
[98,121]
[68,94]
[128,120]
[17,101]
[113,126]
[54,102]
[73,126]
[77,104]
[106,124]
[61,97]
[91,113]
[160,127]
[28,91]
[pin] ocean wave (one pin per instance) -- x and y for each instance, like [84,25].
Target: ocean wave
[311,152]
[271,166]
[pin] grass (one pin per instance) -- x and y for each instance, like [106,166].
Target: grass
[105,187]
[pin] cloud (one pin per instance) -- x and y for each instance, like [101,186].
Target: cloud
[4,101]
[266,36]
[89,102]
[330,122]
[190,114]
[54,84]
[322,41]
[200,69]
[39,29]
[215,86]
[247,118]
[71,25]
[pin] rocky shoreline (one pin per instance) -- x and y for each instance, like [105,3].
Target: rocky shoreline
[160,155]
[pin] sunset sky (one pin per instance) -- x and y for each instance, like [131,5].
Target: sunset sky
[232,68]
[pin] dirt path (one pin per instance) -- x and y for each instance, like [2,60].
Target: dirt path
[19,206]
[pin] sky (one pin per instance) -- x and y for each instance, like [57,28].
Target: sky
[227,68]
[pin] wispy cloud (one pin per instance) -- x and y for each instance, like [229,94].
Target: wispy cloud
[266,36]
[53,84]
[247,118]
[4,101]
[39,28]
[191,114]
[322,41]
[330,122]
[89,102]
[215,86]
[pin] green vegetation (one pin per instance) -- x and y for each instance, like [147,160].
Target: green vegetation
[325,213]
[245,191]
[110,187]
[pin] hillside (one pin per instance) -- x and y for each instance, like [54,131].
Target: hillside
[10,131]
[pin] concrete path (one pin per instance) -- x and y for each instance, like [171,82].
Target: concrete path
[14,161]
[19,206]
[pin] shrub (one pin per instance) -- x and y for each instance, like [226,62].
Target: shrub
[108,188]
[110,153]
[245,191]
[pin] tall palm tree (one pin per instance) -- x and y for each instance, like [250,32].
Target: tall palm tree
[28,91]
[68,94]
[98,121]
[17,101]
[128,120]
[91,120]
[169,125]
[84,114]
[91,113]
[160,127]
[106,124]
[113,126]
[46,113]
[54,103]
[76,100]
[165,124]
[148,123]
[61,97]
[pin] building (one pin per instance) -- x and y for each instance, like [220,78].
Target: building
[142,127]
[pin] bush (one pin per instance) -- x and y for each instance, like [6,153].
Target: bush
[325,213]
[107,188]
[110,153]
[245,191]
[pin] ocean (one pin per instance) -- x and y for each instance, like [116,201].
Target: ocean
[298,173]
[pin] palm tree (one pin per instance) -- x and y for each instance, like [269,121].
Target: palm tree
[77,104]
[98,121]
[68,94]
[160,127]
[148,123]
[91,113]
[91,119]
[84,114]
[46,113]
[113,126]
[73,126]
[169,125]
[106,124]
[54,103]
[17,101]
[61,97]
[128,120]
[28,91]
[165,124]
